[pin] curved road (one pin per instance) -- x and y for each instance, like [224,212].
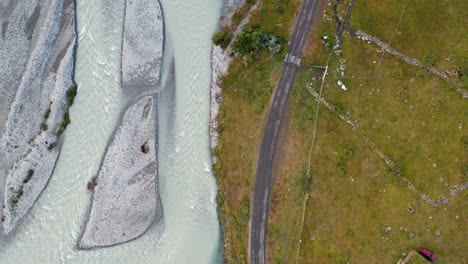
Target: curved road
[263,182]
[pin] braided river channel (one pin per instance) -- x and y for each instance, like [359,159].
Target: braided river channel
[189,231]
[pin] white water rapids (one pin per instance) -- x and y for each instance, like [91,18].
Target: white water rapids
[190,230]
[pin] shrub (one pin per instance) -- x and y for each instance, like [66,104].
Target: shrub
[222,38]
[252,39]
[237,16]
[47,112]
[273,42]
[250,2]
[71,93]
[397,73]
[14,201]
[20,193]
[430,60]
[51,146]
[280,8]
[248,59]
[28,176]
[65,122]
[464,80]
[342,258]
[43,126]
[423,75]
[464,171]
[463,66]
[256,107]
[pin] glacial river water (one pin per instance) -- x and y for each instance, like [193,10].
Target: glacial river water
[190,230]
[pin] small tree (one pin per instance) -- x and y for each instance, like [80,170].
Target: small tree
[222,38]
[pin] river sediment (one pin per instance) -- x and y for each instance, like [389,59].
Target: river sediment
[37,52]
[126,201]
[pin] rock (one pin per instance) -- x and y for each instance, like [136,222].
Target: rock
[411,236]
[341,85]
[437,233]
[411,209]
[92,184]
[388,229]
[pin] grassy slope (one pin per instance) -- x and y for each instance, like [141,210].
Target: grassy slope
[241,121]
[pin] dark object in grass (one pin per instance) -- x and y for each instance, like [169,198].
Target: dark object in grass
[28,176]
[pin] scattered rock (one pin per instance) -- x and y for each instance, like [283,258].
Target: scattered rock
[388,229]
[341,85]
[92,184]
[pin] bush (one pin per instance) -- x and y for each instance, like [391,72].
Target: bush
[430,60]
[463,66]
[272,42]
[47,113]
[71,93]
[28,176]
[43,126]
[423,75]
[14,201]
[237,16]
[464,80]
[250,2]
[256,107]
[464,171]
[252,39]
[65,122]
[248,60]
[51,146]
[397,73]
[222,38]
[342,258]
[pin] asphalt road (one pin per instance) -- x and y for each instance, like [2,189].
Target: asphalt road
[263,182]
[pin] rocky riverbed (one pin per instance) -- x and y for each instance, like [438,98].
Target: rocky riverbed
[126,201]
[37,50]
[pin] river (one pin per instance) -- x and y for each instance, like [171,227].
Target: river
[190,230]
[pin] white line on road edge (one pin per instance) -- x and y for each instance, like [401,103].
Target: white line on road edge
[306,196]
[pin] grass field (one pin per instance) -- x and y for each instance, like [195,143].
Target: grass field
[358,208]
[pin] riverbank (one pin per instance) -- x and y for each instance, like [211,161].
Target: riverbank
[246,92]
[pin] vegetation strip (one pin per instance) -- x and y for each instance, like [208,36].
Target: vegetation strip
[387,48]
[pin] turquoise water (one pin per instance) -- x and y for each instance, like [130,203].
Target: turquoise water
[190,231]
